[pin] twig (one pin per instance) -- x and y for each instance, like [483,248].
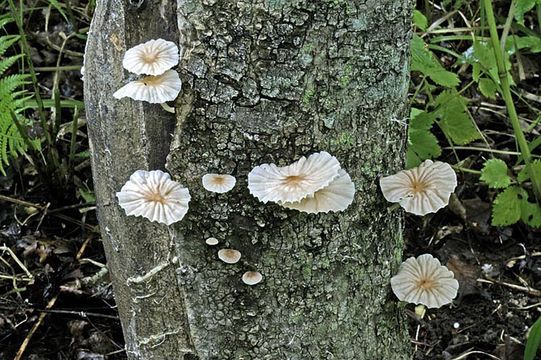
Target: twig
[82,314]
[20,202]
[465,355]
[525,289]
[16,259]
[35,327]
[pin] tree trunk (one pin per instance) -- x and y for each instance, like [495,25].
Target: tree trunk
[263,81]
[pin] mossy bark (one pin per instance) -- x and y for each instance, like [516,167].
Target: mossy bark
[263,81]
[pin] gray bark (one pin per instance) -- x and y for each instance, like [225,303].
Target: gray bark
[263,81]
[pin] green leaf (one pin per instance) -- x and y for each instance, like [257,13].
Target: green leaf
[525,173]
[421,119]
[530,43]
[443,77]
[420,20]
[422,144]
[531,214]
[455,122]
[423,60]
[534,340]
[506,208]
[488,88]
[481,56]
[494,173]
[521,8]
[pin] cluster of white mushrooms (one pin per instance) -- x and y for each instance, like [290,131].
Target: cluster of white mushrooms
[316,184]
[154,60]
[313,185]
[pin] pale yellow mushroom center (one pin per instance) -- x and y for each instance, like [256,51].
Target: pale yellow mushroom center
[293,180]
[151,80]
[417,186]
[425,284]
[230,254]
[149,57]
[155,197]
[218,180]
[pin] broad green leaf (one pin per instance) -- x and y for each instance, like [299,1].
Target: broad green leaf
[423,60]
[506,208]
[494,173]
[412,160]
[443,77]
[530,43]
[523,174]
[483,56]
[521,8]
[454,120]
[420,20]
[424,144]
[534,166]
[534,341]
[531,213]
[488,88]
[421,120]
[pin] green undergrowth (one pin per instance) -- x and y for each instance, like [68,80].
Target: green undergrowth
[13,140]
[472,67]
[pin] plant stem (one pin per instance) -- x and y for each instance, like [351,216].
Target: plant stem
[508,98]
[26,50]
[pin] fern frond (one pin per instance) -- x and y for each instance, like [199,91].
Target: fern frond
[7,62]
[9,83]
[6,19]
[7,41]
[12,103]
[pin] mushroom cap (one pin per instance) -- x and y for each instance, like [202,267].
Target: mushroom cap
[218,183]
[212,241]
[229,256]
[152,89]
[151,58]
[337,196]
[153,195]
[294,182]
[421,190]
[423,280]
[252,277]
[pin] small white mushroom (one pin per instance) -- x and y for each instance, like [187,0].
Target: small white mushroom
[218,183]
[423,280]
[212,241]
[294,182]
[229,256]
[152,89]
[153,57]
[337,196]
[252,277]
[421,190]
[153,195]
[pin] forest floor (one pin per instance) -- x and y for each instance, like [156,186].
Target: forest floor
[56,301]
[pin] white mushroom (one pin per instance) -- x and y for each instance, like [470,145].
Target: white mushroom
[151,58]
[421,190]
[229,256]
[292,183]
[252,277]
[152,89]
[423,280]
[211,241]
[337,196]
[153,195]
[218,183]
